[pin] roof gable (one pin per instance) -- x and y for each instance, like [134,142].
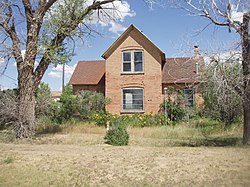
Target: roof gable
[88,72]
[124,35]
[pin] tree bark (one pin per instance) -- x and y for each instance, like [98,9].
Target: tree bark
[246,108]
[26,110]
[245,38]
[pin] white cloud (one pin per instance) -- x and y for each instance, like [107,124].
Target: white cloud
[235,15]
[119,10]
[224,57]
[57,71]
[110,16]
[54,74]
[116,28]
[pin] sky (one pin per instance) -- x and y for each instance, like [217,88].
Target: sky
[172,30]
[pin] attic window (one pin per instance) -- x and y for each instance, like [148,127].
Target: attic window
[132,61]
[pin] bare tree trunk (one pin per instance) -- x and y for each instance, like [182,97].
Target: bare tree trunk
[26,108]
[246,72]
[246,108]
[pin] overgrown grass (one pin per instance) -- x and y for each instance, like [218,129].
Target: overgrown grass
[195,132]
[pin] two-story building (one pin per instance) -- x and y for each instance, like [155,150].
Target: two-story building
[134,74]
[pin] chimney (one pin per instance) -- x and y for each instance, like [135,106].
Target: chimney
[196,52]
[197,68]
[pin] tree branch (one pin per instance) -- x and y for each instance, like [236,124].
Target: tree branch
[58,39]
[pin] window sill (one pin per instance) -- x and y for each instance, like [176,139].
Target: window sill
[132,112]
[132,73]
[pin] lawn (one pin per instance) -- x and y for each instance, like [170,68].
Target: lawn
[160,156]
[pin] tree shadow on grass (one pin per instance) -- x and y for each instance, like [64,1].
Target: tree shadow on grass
[212,142]
[49,129]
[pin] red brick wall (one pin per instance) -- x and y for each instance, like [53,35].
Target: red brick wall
[150,80]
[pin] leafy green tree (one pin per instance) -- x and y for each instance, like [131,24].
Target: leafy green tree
[40,28]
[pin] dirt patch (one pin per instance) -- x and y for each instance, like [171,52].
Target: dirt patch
[97,164]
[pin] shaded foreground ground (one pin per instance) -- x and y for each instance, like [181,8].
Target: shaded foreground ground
[84,160]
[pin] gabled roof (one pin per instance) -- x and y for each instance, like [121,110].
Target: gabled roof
[181,70]
[88,72]
[110,50]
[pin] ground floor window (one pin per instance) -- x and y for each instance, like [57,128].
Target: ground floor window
[189,96]
[132,99]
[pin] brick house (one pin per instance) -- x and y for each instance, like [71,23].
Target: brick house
[135,73]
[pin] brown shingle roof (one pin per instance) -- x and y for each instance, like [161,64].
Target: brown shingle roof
[181,70]
[88,72]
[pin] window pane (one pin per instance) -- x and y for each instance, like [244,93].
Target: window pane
[126,66]
[189,96]
[127,56]
[138,56]
[133,99]
[138,66]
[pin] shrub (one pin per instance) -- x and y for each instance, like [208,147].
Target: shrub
[68,103]
[221,92]
[89,103]
[175,104]
[117,135]
[43,100]
[8,108]
[174,110]
[136,120]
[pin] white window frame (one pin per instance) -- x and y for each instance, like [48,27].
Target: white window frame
[132,110]
[133,61]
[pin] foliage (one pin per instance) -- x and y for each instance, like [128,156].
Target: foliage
[48,24]
[43,100]
[84,105]
[89,102]
[117,135]
[175,104]
[221,92]
[66,107]
[136,120]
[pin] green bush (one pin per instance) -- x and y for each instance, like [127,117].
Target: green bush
[117,135]
[136,120]
[89,103]
[43,100]
[174,110]
[175,105]
[68,103]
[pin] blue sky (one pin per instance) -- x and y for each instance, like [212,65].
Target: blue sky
[172,30]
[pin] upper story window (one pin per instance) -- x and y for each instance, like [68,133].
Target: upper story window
[132,61]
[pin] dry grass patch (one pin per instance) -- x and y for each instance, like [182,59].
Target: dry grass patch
[102,165]
[78,156]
